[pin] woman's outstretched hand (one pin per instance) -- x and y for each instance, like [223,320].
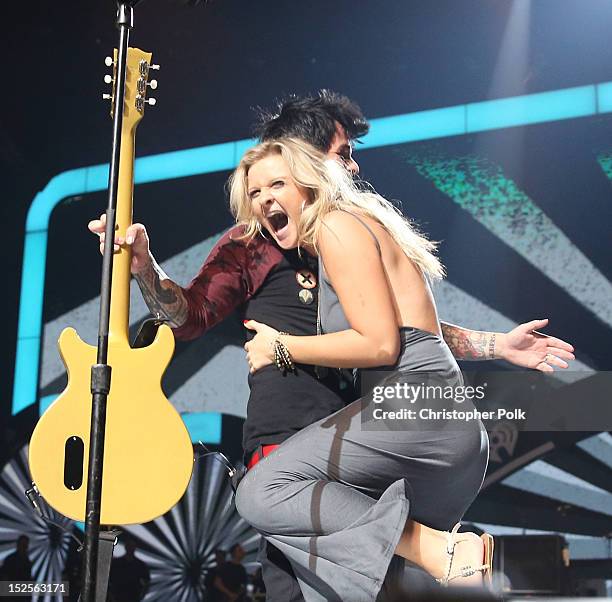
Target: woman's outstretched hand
[260,349]
[523,347]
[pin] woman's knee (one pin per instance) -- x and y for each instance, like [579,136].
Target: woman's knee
[250,502]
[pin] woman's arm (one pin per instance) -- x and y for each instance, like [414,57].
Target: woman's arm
[357,273]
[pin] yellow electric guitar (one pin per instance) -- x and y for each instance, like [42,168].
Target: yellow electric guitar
[148,455]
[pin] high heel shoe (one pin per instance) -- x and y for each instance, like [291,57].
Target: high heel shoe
[454,538]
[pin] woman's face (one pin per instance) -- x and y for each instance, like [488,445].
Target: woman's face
[277,199]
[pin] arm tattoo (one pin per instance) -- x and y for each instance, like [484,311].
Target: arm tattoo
[468,344]
[163,297]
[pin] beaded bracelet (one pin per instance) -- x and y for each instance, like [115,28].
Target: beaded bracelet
[282,357]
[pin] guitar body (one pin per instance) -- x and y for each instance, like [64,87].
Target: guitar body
[148,455]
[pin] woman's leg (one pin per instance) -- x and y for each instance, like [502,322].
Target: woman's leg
[339,538]
[335,498]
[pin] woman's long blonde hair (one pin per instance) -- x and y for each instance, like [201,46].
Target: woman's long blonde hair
[330,187]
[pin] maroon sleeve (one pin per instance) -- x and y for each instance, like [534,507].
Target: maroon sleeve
[232,273]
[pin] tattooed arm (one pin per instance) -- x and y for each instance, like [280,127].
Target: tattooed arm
[522,346]
[232,272]
[468,344]
[164,298]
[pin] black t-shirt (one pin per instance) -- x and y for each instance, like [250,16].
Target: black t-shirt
[234,577]
[212,593]
[282,404]
[129,579]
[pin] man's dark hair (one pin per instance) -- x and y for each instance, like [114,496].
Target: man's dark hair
[313,118]
[233,548]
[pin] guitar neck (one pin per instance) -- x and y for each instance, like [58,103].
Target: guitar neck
[120,293]
[136,82]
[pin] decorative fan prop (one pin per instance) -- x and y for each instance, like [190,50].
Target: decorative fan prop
[179,546]
[48,546]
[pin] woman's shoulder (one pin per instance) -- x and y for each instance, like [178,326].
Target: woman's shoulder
[356,225]
[349,221]
[336,217]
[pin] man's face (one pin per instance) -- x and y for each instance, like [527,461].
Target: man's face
[341,150]
[239,553]
[22,545]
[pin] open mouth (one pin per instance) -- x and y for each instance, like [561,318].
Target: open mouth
[277,220]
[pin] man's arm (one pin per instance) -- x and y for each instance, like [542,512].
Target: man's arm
[232,272]
[467,344]
[164,297]
[522,346]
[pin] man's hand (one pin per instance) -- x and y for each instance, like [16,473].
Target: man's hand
[523,347]
[164,298]
[260,349]
[135,236]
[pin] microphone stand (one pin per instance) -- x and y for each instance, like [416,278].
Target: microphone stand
[98,546]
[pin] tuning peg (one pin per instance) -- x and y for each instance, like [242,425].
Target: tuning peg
[108,61]
[141,85]
[106,97]
[140,102]
[108,79]
[154,67]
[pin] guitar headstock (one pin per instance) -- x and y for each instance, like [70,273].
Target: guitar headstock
[137,83]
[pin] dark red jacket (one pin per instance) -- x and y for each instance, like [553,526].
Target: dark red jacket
[232,273]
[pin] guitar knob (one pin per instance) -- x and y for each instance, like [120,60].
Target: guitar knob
[151,101]
[108,61]
[154,67]
[106,97]
[153,84]
[108,79]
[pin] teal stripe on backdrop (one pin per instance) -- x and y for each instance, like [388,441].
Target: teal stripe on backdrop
[203,426]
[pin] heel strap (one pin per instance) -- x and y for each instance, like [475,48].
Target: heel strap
[451,539]
[468,571]
[464,571]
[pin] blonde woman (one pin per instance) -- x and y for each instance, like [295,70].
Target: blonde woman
[346,494]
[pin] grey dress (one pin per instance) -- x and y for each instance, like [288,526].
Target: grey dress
[335,497]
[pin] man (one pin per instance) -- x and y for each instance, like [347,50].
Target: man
[129,576]
[212,594]
[17,567]
[231,579]
[280,288]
